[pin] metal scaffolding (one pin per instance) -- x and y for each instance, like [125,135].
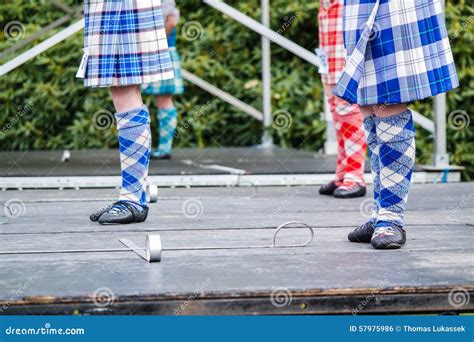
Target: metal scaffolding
[436,127]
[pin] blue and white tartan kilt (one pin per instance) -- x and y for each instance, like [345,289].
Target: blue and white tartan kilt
[125,42]
[173,86]
[398,51]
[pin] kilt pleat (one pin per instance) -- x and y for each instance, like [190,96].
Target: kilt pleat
[126,43]
[398,52]
[173,86]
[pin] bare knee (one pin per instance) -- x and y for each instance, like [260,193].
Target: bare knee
[164,101]
[383,111]
[126,98]
[367,110]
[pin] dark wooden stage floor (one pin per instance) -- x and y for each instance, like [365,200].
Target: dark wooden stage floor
[186,161]
[331,275]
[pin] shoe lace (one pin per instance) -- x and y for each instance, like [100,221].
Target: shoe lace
[384,231]
[102,210]
[118,208]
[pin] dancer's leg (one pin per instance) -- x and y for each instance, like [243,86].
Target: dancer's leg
[349,120]
[328,189]
[396,144]
[167,121]
[133,124]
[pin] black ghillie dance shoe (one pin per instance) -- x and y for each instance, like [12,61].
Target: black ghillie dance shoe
[123,212]
[96,214]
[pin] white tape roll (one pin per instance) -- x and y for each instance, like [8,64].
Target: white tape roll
[152,193]
[153,248]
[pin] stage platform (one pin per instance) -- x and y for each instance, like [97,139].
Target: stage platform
[432,274]
[246,166]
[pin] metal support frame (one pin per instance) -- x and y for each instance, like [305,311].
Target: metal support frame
[222,95]
[267,139]
[302,53]
[228,180]
[423,121]
[34,36]
[41,47]
[79,25]
[70,12]
[440,155]
[438,127]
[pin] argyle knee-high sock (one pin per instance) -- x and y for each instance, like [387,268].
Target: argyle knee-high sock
[371,133]
[350,140]
[341,154]
[134,140]
[396,142]
[354,146]
[167,120]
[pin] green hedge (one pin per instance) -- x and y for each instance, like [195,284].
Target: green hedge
[45,107]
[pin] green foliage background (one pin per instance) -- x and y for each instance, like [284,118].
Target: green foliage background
[43,105]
